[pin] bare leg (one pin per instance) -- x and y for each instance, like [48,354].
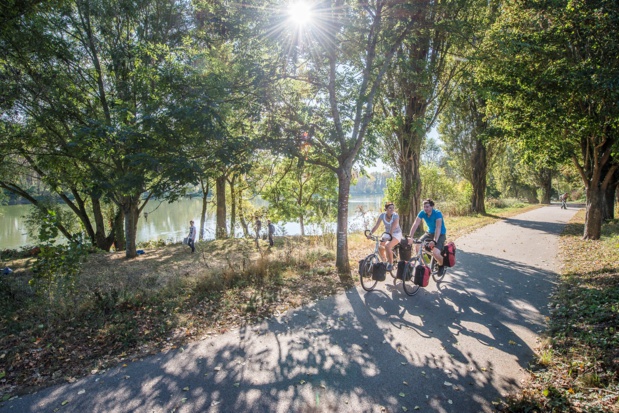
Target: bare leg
[381,251]
[390,246]
[437,256]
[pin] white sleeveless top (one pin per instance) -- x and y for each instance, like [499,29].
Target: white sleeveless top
[393,231]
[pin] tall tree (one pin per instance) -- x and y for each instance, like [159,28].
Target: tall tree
[419,84]
[466,135]
[337,61]
[95,82]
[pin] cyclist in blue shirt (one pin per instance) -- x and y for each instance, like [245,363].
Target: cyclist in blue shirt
[437,232]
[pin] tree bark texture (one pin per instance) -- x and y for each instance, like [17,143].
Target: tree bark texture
[101,240]
[545,184]
[205,188]
[410,190]
[120,243]
[131,210]
[597,172]
[221,231]
[479,170]
[608,203]
[232,205]
[344,176]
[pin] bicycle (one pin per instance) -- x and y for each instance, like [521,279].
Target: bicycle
[367,266]
[425,255]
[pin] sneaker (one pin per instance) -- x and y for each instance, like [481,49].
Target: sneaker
[389,267]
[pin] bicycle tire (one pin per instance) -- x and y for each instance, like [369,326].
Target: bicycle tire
[408,286]
[435,271]
[367,283]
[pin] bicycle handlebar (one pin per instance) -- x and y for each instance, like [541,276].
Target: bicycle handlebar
[369,235]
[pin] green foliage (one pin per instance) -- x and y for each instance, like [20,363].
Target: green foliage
[393,190]
[57,266]
[40,219]
[302,192]
[454,196]
[459,203]
[436,184]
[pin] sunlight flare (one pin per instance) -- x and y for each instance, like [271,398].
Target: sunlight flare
[300,13]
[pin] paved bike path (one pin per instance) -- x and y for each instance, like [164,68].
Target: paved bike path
[454,347]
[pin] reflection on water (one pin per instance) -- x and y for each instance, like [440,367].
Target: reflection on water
[170,222]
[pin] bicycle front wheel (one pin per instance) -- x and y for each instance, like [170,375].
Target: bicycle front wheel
[409,287]
[436,273]
[365,276]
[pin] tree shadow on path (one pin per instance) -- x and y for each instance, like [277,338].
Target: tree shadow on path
[356,352]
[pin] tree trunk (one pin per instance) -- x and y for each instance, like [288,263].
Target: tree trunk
[597,174]
[544,178]
[131,211]
[101,240]
[608,203]
[608,212]
[120,243]
[410,190]
[479,160]
[242,214]
[205,188]
[221,230]
[301,225]
[344,176]
[593,217]
[232,205]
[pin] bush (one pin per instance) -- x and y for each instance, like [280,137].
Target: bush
[494,203]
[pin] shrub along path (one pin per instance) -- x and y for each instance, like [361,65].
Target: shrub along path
[459,346]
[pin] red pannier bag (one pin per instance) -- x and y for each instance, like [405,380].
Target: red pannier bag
[421,275]
[449,254]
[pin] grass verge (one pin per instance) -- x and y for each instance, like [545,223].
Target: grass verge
[577,365]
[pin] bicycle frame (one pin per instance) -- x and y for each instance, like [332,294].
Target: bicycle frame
[377,240]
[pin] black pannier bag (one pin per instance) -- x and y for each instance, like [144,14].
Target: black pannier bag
[401,270]
[405,250]
[379,271]
[405,270]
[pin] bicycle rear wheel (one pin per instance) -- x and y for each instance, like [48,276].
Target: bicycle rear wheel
[409,287]
[365,276]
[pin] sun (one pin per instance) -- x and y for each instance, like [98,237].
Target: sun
[300,13]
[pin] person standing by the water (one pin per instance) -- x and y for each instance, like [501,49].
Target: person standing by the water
[258,227]
[271,229]
[192,236]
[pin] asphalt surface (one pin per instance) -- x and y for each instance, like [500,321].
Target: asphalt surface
[458,346]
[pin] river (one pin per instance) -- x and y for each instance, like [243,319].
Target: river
[170,221]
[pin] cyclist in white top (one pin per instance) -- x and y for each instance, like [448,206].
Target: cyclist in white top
[391,220]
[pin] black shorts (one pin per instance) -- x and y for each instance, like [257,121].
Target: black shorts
[439,244]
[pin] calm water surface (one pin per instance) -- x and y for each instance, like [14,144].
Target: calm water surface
[170,222]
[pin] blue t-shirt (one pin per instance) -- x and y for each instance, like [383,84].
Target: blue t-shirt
[431,220]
